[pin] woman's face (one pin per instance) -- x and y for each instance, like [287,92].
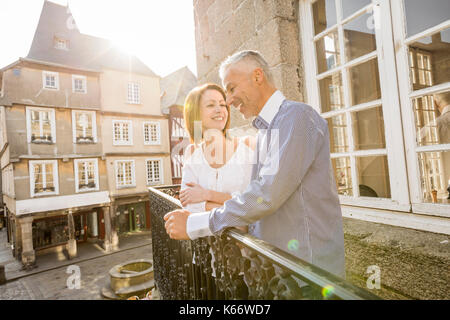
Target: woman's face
[213,110]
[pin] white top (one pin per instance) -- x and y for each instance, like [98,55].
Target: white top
[232,178]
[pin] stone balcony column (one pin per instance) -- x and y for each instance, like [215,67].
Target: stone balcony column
[72,242]
[28,254]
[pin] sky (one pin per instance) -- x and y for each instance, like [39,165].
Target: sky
[159,32]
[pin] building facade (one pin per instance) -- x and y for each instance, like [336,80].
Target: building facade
[82,136]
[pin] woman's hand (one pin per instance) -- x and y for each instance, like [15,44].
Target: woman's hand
[194,194]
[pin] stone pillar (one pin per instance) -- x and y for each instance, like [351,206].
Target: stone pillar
[107,224]
[28,254]
[114,228]
[72,242]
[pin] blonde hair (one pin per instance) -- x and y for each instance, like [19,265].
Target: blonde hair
[192,108]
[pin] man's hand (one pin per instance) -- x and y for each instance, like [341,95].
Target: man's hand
[194,194]
[176,224]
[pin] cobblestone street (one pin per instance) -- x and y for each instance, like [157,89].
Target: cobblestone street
[52,284]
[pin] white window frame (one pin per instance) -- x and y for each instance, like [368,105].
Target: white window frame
[406,96]
[158,132]
[133,99]
[161,171]
[77,183]
[44,80]
[84,82]
[390,102]
[74,124]
[52,122]
[122,142]
[31,164]
[133,173]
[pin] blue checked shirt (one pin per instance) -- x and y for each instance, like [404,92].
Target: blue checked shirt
[291,201]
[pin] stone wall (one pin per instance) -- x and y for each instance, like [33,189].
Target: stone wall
[413,264]
[269,26]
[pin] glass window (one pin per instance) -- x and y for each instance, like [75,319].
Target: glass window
[422,15]
[41,125]
[86,175]
[364,82]
[133,93]
[152,134]
[435,176]
[343,175]
[79,84]
[122,132]
[373,176]
[368,129]
[350,97]
[331,93]
[351,6]
[50,232]
[154,172]
[85,127]
[125,173]
[428,60]
[359,37]
[327,50]
[50,80]
[43,177]
[324,12]
[337,126]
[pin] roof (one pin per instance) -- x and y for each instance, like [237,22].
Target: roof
[85,51]
[175,87]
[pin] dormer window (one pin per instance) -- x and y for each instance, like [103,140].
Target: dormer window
[61,44]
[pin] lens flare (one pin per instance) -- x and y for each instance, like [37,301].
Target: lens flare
[327,291]
[293,245]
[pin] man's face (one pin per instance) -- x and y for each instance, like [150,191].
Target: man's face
[241,91]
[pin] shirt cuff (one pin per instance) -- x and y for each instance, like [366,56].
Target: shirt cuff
[197,225]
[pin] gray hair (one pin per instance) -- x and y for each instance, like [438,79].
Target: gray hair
[251,56]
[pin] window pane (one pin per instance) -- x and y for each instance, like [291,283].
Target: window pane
[429,60]
[364,82]
[432,119]
[343,175]
[324,15]
[351,6]
[421,15]
[435,176]
[373,175]
[337,126]
[327,50]
[368,129]
[331,93]
[84,125]
[359,36]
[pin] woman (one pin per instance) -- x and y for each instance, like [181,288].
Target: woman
[216,166]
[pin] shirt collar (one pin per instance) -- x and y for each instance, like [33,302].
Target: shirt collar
[269,110]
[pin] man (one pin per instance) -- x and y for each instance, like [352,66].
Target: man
[292,197]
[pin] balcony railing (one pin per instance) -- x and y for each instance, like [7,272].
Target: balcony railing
[234,266]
